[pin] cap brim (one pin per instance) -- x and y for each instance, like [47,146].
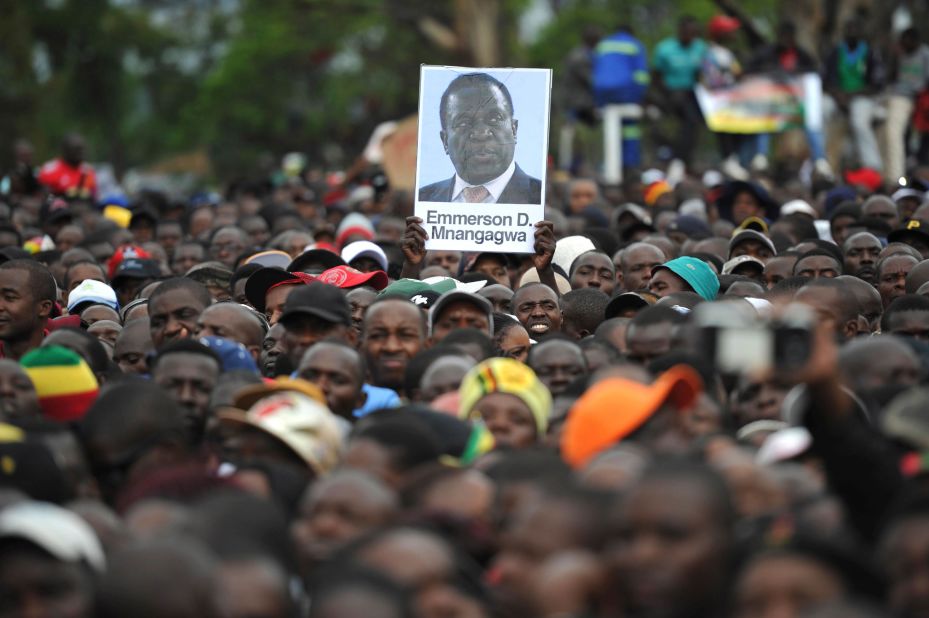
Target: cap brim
[627,300]
[316,312]
[259,282]
[250,395]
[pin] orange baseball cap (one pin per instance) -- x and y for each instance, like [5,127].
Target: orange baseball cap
[614,408]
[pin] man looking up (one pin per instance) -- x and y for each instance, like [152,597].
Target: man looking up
[479,136]
[27,295]
[339,372]
[536,307]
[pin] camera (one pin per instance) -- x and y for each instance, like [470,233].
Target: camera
[737,340]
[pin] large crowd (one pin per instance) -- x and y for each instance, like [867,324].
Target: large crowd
[701,396]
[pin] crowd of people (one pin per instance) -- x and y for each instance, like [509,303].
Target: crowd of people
[699,397]
[873,106]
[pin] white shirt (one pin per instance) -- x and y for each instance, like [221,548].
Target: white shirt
[495,186]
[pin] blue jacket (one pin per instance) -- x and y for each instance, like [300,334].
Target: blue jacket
[620,72]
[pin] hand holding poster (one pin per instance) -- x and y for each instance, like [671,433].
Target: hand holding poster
[480,170]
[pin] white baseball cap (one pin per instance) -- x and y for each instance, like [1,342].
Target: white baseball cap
[58,531]
[364,248]
[93,292]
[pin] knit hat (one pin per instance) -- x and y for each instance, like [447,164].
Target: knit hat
[655,191]
[614,408]
[354,223]
[696,273]
[505,375]
[64,382]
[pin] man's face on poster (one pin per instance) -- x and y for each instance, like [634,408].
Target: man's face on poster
[479,132]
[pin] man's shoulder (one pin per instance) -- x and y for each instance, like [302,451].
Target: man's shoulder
[437,191]
[522,189]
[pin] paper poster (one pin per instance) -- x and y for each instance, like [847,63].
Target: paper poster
[764,104]
[483,142]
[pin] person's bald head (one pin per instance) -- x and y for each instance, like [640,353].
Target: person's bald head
[133,344]
[898,363]
[167,579]
[636,264]
[232,321]
[917,276]
[870,306]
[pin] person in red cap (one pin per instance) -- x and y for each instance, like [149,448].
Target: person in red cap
[722,69]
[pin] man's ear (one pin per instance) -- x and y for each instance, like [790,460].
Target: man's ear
[44,308]
[361,400]
[850,330]
[351,337]
[444,137]
[515,127]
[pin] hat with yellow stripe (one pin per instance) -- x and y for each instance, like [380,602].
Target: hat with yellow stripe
[65,383]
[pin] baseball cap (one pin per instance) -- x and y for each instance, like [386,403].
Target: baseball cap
[364,248]
[744,235]
[55,209]
[320,300]
[913,230]
[614,408]
[634,210]
[137,268]
[31,469]
[696,273]
[346,277]
[322,258]
[304,425]
[248,396]
[739,260]
[865,177]
[210,273]
[798,206]
[906,192]
[259,282]
[408,288]
[59,532]
[271,259]
[723,24]
[460,295]
[627,300]
[693,227]
[123,253]
[91,292]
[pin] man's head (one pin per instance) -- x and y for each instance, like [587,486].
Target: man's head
[818,264]
[186,256]
[649,334]
[339,371]
[81,271]
[883,208]
[18,397]
[557,362]
[891,276]
[536,307]
[899,365]
[593,269]
[27,294]
[583,311]
[132,345]
[235,322]
[861,253]
[174,308]
[188,370]
[312,313]
[907,316]
[638,260]
[582,192]
[73,149]
[684,274]
[458,309]
[869,299]
[753,243]
[132,429]
[478,128]
[227,244]
[834,303]
[393,332]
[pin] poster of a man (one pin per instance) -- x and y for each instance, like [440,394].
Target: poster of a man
[483,140]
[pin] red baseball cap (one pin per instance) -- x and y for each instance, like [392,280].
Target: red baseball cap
[723,24]
[124,252]
[346,277]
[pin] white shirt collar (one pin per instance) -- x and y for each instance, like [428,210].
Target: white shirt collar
[495,186]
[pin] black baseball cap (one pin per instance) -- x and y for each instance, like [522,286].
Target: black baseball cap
[319,300]
[260,281]
[326,259]
[137,268]
[913,230]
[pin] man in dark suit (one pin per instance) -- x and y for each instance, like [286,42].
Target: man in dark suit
[479,135]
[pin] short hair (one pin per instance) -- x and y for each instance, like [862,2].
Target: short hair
[81,263]
[588,343]
[338,343]
[695,473]
[9,229]
[471,80]
[423,325]
[840,263]
[471,336]
[91,350]
[788,284]
[417,366]
[801,226]
[187,346]
[503,323]
[41,281]
[584,308]
[196,288]
[552,340]
[902,304]
[411,443]
[657,314]
[598,252]
[608,326]
[848,302]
